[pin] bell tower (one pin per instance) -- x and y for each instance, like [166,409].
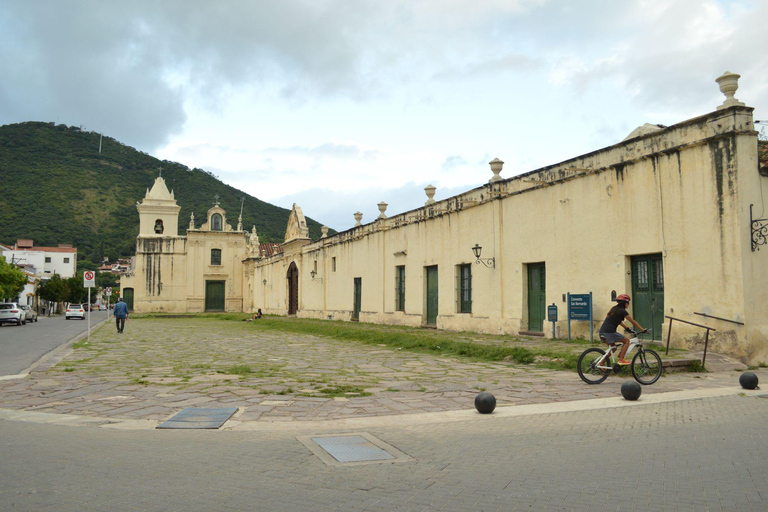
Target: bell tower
[158,212]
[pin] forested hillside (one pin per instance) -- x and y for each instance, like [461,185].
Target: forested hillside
[56,188]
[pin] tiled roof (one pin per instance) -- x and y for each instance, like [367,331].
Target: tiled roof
[269,248]
[53,249]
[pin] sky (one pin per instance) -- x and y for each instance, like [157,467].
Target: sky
[339,105]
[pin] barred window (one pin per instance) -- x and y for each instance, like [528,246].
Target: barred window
[400,288]
[464,288]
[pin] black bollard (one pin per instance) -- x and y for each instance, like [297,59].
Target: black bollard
[485,402]
[748,380]
[631,390]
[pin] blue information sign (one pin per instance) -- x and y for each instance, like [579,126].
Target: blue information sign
[552,313]
[580,306]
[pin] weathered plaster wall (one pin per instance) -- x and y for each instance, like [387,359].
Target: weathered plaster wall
[683,192]
[159,276]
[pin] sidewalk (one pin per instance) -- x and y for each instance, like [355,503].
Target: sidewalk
[160,366]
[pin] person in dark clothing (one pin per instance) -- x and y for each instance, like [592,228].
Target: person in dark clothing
[613,320]
[121,314]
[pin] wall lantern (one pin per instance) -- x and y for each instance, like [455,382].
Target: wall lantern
[264,282]
[488,262]
[312,273]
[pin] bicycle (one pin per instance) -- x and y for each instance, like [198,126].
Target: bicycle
[596,364]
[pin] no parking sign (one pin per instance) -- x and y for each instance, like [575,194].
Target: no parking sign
[89,279]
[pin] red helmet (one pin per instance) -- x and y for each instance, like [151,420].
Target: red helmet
[623,298]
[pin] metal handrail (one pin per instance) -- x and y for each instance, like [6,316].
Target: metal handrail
[718,318]
[706,336]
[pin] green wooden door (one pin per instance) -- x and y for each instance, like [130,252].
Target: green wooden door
[358,299]
[537,296]
[648,292]
[214,295]
[432,295]
[128,298]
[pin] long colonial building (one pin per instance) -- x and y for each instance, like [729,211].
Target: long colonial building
[675,216]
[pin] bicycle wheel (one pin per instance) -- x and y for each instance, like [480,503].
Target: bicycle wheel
[646,367]
[587,366]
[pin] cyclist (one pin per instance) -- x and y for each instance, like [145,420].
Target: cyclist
[613,320]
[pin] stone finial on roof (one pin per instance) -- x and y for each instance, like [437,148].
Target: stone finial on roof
[358,218]
[496,166]
[729,83]
[430,191]
[382,208]
[324,231]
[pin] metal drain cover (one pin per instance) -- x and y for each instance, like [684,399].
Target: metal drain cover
[352,449]
[192,417]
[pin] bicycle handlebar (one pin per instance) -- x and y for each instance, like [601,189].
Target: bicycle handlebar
[635,333]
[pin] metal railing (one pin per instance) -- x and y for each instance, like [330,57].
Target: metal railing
[706,336]
[718,318]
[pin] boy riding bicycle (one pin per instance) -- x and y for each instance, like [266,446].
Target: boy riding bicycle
[613,320]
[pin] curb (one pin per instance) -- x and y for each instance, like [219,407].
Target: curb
[402,421]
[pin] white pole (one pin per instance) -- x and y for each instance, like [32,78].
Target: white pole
[89,314]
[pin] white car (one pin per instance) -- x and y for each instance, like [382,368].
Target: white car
[30,312]
[11,313]
[75,311]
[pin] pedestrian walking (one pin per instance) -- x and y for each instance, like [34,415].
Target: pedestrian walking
[121,314]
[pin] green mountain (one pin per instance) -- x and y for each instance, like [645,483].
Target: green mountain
[56,188]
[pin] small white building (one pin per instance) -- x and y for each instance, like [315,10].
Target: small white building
[46,261]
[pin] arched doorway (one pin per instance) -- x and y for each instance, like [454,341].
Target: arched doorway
[293,288]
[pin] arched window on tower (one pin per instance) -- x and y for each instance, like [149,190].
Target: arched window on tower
[216,222]
[158,227]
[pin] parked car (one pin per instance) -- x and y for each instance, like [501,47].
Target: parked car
[30,312]
[102,307]
[11,313]
[75,311]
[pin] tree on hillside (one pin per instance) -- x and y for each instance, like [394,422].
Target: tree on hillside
[12,280]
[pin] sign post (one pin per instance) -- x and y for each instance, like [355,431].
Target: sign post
[552,316]
[580,308]
[89,281]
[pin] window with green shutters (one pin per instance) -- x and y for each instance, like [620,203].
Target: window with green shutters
[400,288]
[215,256]
[464,288]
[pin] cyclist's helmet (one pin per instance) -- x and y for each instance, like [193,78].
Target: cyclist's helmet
[623,298]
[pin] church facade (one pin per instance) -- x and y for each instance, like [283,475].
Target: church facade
[674,216]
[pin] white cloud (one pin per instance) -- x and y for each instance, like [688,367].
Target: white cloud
[335,98]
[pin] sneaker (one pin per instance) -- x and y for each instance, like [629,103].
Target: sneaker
[624,362]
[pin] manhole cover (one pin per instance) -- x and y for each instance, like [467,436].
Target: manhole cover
[352,449]
[192,417]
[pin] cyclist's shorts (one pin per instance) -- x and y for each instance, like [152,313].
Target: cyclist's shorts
[611,337]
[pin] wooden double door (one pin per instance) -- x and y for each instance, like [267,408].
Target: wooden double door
[214,296]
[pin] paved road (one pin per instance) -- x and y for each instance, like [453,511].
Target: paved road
[708,454]
[21,346]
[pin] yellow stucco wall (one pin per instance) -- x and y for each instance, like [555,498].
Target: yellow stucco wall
[682,192]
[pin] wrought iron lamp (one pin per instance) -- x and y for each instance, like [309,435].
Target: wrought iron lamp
[312,273]
[488,262]
[264,282]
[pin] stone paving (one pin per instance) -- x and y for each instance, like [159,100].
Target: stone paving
[159,366]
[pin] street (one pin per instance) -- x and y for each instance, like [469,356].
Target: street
[705,454]
[21,346]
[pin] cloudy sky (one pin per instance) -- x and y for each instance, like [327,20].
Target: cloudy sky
[337,105]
